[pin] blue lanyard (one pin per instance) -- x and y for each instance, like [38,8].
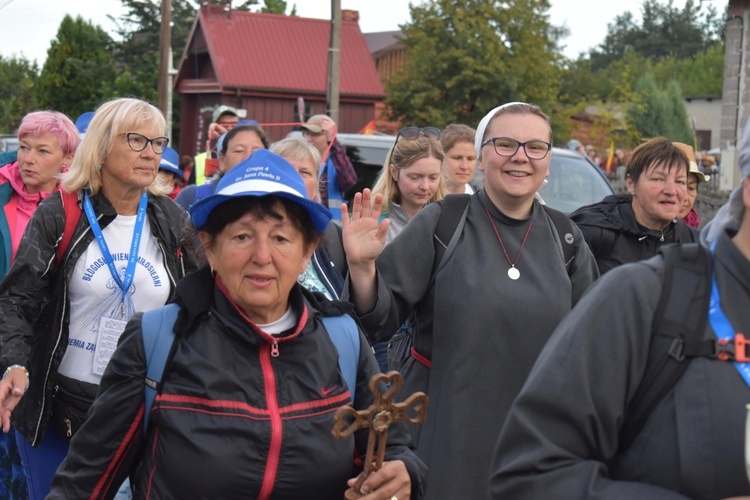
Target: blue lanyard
[135,244]
[721,325]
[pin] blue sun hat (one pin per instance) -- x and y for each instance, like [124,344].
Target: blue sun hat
[82,122]
[170,162]
[262,174]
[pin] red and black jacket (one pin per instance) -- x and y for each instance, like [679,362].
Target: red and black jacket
[231,420]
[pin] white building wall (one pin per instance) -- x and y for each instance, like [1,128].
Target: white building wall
[705,114]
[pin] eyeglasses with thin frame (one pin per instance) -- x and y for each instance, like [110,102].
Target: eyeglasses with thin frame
[138,142]
[506,146]
[412,133]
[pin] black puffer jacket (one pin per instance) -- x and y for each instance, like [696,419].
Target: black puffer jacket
[231,420]
[615,237]
[34,302]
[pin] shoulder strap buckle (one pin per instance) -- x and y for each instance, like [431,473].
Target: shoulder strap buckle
[677,349]
[732,349]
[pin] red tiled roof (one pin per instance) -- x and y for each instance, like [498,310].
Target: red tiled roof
[284,53]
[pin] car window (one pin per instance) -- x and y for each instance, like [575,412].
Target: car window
[573,182]
[367,163]
[8,144]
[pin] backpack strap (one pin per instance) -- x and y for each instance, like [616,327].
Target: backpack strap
[449,227]
[564,227]
[158,337]
[72,216]
[345,336]
[605,244]
[678,328]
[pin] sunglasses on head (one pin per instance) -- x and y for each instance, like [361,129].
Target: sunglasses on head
[414,132]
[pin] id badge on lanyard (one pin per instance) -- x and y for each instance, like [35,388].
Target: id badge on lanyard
[110,329]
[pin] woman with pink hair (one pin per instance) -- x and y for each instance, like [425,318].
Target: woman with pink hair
[47,143]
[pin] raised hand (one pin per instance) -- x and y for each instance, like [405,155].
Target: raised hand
[364,238]
[363,235]
[329,128]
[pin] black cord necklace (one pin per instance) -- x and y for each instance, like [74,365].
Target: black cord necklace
[513,272]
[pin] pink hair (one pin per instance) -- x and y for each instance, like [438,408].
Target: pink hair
[51,122]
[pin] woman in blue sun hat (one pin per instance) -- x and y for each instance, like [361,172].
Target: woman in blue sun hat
[246,404]
[169,171]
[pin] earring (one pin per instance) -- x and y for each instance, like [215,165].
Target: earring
[100,166]
[213,273]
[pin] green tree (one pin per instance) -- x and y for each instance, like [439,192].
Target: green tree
[659,111]
[664,31]
[18,78]
[78,68]
[699,76]
[464,58]
[278,7]
[137,52]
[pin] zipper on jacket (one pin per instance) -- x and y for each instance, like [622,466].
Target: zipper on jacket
[59,335]
[324,278]
[272,402]
[172,281]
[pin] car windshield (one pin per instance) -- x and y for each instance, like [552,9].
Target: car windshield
[572,183]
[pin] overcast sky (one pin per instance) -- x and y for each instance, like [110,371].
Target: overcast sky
[28,26]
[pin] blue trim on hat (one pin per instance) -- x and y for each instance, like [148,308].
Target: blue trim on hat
[170,162]
[262,174]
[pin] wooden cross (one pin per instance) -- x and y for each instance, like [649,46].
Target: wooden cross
[378,418]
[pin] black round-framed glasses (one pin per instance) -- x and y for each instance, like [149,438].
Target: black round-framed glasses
[138,142]
[506,146]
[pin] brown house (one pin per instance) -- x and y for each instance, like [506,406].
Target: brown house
[389,53]
[263,63]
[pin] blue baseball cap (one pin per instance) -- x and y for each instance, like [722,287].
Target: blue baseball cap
[170,162]
[262,174]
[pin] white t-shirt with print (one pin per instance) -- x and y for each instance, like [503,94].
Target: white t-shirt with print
[94,294]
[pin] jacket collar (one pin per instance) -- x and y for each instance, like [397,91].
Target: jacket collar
[306,305]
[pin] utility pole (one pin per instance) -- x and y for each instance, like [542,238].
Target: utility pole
[334,62]
[165,63]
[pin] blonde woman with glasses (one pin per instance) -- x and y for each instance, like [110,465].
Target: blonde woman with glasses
[110,246]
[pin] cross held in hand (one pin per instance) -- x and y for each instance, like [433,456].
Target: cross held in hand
[379,417]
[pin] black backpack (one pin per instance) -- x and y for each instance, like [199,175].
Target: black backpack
[678,327]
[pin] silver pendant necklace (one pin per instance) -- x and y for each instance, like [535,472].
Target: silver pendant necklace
[513,272]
